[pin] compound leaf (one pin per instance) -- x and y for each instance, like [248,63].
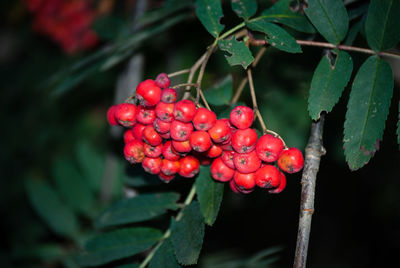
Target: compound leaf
[240,53]
[210,13]
[220,93]
[244,8]
[164,257]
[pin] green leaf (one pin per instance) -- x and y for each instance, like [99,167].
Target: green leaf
[240,53]
[282,13]
[164,257]
[275,36]
[140,208]
[220,93]
[118,244]
[353,31]
[187,235]
[74,188]
[244,8]
[328,83]
[210,13]
[367,111]
[209,194]
[382,25]
[168,9]
[330,18]
[48,205]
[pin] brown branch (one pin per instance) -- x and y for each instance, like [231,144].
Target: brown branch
[184,71]
[314,151]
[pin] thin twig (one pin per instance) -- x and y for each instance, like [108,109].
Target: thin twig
[185,85]
[314,151]
[202,69]
[184,71]
[204,99]
[192,71]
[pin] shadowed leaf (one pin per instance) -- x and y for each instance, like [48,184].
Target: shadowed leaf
[244,8]
[240,53]
[210,13]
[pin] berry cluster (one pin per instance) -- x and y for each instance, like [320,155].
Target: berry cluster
[65,21]
[170,137]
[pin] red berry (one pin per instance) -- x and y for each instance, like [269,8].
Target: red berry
[163,80]
[165,136]
[291,160]
[227,158]
[151,136]
[237,189]
[220,171]
[133,151]
[165,178]
[152,151]
[214,151]
[244,140]
[220,132]
[169,95]
[267,177]
[269,148]
[161,126]
[200,141]
[241,117]
[189,166]
[111,116]
[182,146]
[184,110]
[165,111]
[148,93]
[169,167]
[180,131]
[204,119]
[152,165]
[169,152]
[125,114]
[137,131]
[244,181]
[145,115]
[281,186]
[128,136]
[247,162]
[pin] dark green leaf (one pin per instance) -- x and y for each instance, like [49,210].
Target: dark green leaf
[110,27]
[282,13]
[210,13]
[140,208]
[187,235]
[129,265]
[209,194]
[382,25]
[244,8]
[221,92]
[164,257]
[240,53]
[275,35]
[328,83]
[367,111]
[169,7]
[358,11]
[74,188]
[330,18]
[118,244]
[49,206]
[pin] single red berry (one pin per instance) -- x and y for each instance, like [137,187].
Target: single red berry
[182,146]
[169,95]
[165,111]
[152,165]
[220,171]
[125,114]
[241,117]
[145,115]
[267,177]
[169,152]
[247,162]
[220,132]
[133,151]
[291,160]
[244,181]
[148,93]
[281,186]
[214,151]
[163,80]
[236,189]
[184,110]
[151,136]
[152,151]
[200,141]
[165,178]
[161,126]
[128,135]
[269,148]
[169,167]
[137,131]
[244,140]
[189,166]
[227,158]
[204,119]
[180,131]
[111,116]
